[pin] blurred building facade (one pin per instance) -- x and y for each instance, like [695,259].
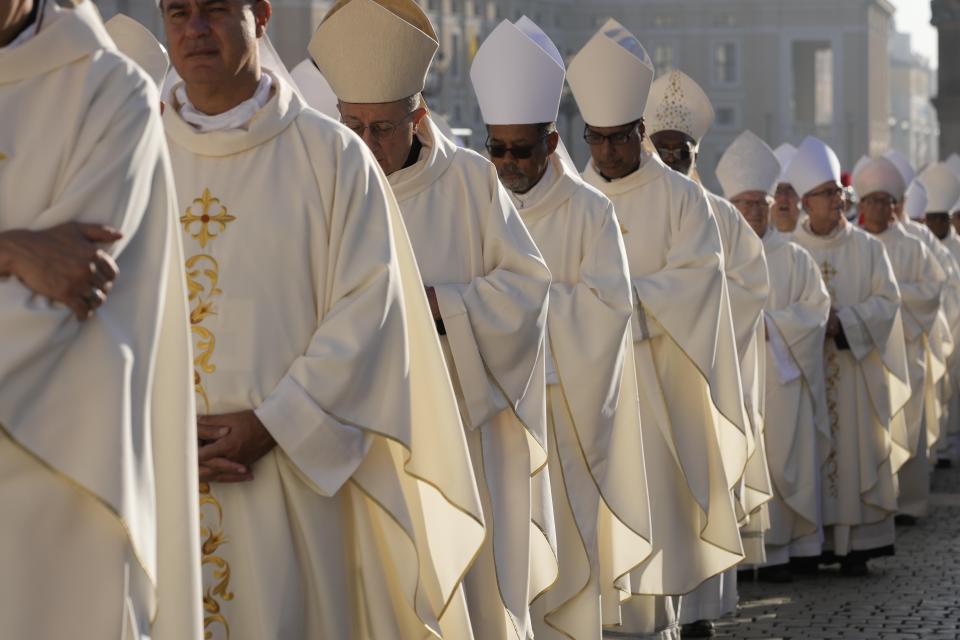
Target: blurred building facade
[781,68]
[914,126]
[946,17]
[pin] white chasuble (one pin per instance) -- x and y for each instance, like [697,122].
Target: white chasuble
[867,387]
[691,404]
[595,453]
[306,307]
[797,428]
[97,426]
[491,285]
[748,285]
[921,281]
[942,339]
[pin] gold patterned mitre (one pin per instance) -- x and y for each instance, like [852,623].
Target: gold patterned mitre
[610,77]
[137,43]
[748,164]
[677,103]
[374,51]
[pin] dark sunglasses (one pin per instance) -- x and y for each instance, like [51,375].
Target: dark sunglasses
[519,152]
[674,155]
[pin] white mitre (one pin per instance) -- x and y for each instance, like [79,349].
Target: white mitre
[748,164]
[610,77]
[315,88]
[915,201]
[878,175]
[814,164]
[860,164]
[518,75]
[943,187]
[784,153]
[374,51]
[954,163]
[137,43]
[678,103]
[903,165]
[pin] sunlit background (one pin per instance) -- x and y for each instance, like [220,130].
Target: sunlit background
[861,74]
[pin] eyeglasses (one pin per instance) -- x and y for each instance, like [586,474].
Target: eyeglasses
[878,200]
[617,139]
[674,155]
[379,130]
[830,193]
[519,152]
[744,203]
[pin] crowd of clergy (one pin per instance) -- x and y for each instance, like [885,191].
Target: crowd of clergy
[282,361]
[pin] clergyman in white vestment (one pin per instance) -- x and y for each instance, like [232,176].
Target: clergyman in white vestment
[338,499]
[596,452]
[695,430]
[867,382]
[796,430]
[879,185]
[99,536]
[487,285]
[677,117]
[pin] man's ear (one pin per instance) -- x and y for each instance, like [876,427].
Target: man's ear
[418,115]
[262,11]
[553,141]
[642,128]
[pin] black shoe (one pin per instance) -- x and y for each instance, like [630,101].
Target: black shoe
[778,574]
[854,568]
[698,629]
[944,463]
[905,520]
[805,566]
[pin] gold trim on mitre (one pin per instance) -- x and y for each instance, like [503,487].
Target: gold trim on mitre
[678,103]
[374,51]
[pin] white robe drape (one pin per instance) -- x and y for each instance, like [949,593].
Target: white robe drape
[921,281]
[596,451]
[306,306]
[97,436]
[691,403]
[867,387]
[491,286]
[797,433]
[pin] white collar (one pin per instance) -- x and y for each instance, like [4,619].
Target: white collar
[236,118]
[526,200]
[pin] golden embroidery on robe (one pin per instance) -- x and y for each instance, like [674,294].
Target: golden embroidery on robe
[203,276]
[832,373]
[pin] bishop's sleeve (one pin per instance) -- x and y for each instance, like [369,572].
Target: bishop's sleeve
[106,179]
[688,298]
[921,295]
[495,324]
[589,330]
[321,411]
[868,324]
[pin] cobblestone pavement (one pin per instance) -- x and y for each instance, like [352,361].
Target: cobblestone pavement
[912,595]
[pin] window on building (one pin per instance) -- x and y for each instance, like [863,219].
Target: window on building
[727,117]
[455,54]
[664,58]
[813,80]
[823,109]
[726,63]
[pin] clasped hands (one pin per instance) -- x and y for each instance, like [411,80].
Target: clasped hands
[63,263]
[229,444]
